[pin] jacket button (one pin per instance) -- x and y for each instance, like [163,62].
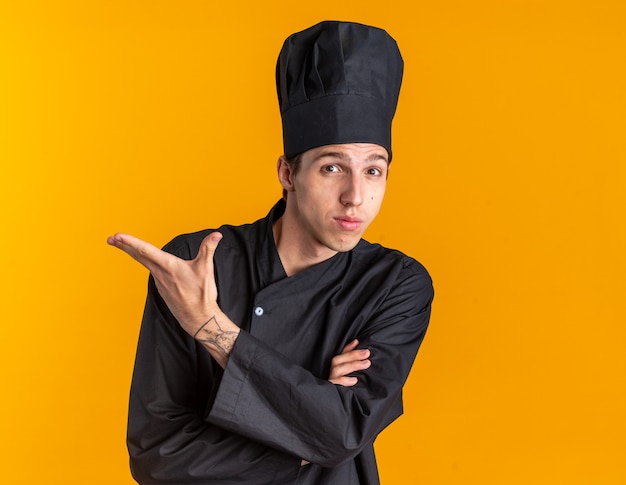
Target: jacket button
[258,311]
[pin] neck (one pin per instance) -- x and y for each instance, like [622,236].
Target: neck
[295,254]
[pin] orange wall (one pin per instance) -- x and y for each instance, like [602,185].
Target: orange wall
[508,183]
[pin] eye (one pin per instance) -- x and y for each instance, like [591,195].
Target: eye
[374,171]
[330,168]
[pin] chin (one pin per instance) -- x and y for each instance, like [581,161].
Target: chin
[345,245]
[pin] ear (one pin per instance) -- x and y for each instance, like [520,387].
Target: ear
[285,174]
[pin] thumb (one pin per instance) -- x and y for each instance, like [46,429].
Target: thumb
[208,246]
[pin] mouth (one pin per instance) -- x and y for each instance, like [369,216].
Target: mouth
[348,223]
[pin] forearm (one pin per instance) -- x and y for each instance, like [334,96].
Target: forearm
[186,449]
[264,397]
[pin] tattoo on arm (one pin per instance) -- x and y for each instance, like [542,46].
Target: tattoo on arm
[211,333]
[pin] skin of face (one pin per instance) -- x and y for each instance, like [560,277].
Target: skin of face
[333,197]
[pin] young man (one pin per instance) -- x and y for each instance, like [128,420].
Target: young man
[275,352]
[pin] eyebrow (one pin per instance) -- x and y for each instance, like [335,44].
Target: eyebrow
[343,156]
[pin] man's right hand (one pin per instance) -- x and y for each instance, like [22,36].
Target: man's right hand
[189,290]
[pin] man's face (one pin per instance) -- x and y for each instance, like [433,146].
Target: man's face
[336,193]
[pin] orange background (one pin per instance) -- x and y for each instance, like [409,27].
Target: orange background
[508,183]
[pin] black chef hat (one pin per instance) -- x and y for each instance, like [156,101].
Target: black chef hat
[338,82]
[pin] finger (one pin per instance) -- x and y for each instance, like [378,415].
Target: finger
[349,368]
[344,370]
[145,253]
[208,247]
[350,346]
[344,381]
[353,355]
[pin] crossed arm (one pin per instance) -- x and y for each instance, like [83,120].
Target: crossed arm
[341,419]
[190,292]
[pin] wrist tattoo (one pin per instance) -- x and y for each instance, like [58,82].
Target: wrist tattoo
[211,333]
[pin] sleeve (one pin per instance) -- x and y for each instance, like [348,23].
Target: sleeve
[268,399]
[168,440]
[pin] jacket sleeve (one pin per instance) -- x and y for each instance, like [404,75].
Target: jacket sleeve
[268,399]
[168,440]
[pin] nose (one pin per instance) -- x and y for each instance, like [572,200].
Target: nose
[352,194]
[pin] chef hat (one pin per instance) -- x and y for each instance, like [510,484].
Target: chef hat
[338,82]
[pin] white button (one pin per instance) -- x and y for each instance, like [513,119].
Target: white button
[258,311]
